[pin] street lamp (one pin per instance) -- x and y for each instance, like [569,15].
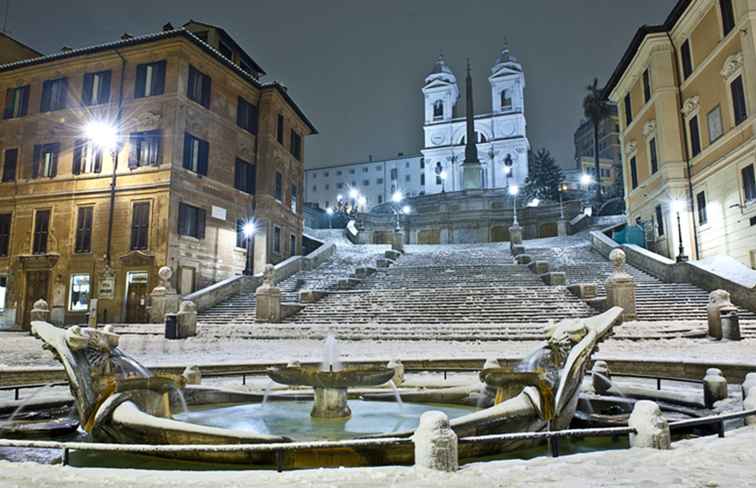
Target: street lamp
[443,177]
[534,202]
[396,198]
[248,230]
[677,207]
[329,211]
[514,190]
[562,189]
[586,179]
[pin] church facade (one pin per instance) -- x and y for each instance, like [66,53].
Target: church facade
[500,134]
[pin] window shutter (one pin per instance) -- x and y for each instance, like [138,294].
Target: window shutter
[187,150]
[251,178]
[55,148]
[238,167]
[141,75]
[204,150]
[105,87]
[86,91]
[154,139]
[9,165]
[134,150]
[10,101]
[62,101]
[241,115]
[191,82]
[78,146]
[206,84]
[158,83]
[98,162]
[44,105]
[87,244]
[24,106]
[182,219]
[35,160]
[253,119]
[200,223]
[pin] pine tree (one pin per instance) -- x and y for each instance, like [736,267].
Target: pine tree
[544,176]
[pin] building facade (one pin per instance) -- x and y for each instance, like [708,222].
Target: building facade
[502,142]
[12,50]
[610,152]
[201,146]
[374,180]
[686,90]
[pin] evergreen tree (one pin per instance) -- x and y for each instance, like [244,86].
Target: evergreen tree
[544,176]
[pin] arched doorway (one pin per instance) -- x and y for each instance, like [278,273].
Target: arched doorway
[499,233]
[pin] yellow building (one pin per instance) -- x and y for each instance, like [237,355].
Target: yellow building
[202,146]
[12,50]
[686,91]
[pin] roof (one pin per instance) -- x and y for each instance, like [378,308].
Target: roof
[12,39]
[226,37]
[157,36]
[359,163]
[640,35]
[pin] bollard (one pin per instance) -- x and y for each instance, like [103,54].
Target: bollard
[730,325]
[719,304]
[651,428]
[601,377]
[435,443]
[749,404]
[715,387]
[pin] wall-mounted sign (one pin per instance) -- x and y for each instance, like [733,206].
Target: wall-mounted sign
[218,213]
[106,286]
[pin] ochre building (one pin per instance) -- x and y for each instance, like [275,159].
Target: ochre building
[686,91]
[202,147]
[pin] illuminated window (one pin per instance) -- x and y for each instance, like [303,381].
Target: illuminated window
[78,293]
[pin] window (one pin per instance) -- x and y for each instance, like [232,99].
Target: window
[339,186]
[87,158]
[246,115]
[652,156]
[351,171]
[738,100]
[659,221]
[728,16]
[292,245]
[687,59]
[241,240]
[695,136]
[276,239]
[225,50]
[9,165]
[150,79]
[202,35]
[279,187]
[394,174]
[196,153]
[338,173]
[365,170]
[145,149]
[365,182]
[422,179]
[749,183]
[54,95]
[244,176]
[96,89]
[714,122]
[646,86]
[701,201]
[380,199]
[506,99]
[41,228]
[45,160]
[140,226]
[422,163]
[191,221]
[293,198]
[407,178]
[84,230]
[634,173]
[438,110]
[5,228]
[379,181]
[16,102]
[628,110]
[296,145]
[280,129]
[78,293]
[198,87]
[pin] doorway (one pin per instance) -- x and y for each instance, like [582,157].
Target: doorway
[137,290]
[36,287]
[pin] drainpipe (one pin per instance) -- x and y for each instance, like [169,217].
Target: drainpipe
[119,114]
[686,154]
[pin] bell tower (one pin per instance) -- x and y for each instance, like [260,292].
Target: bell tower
[441,93]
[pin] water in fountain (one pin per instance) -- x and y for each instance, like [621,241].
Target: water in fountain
[614,387]
[181,399]
[330,354]
[26,402]
[266,393]
[397,396]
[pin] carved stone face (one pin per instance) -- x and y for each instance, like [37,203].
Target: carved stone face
[719,297]
[618,258]
[561,339]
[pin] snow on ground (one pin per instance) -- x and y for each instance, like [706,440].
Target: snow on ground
[706,462]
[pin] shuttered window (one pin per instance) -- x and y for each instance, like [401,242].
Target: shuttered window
[198,87]
[150,79]
[278,194]
[634,173]
[659,220]
[687,59]
[191,221]
[728,16]
[84,230]
[96,89]
[738,100]
[45,160]
[296,145]
[246,115]
[703,218]
[10,159]
[87,158]
[41,229]
[54,95]
[140,226]
[144,149]
[244,176]
[695,136]
[196,152]
[653,155]
[280,129]
[16,102]
[5,228]
[749,183]
[276,240]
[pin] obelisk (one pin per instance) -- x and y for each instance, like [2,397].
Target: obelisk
[471,167]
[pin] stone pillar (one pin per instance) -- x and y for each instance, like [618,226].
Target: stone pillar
[92,315]
[186,319]
[398,368]
[730,325]
[398,242]
[562,227]
[748,383]
[515,235]
[192,375]
[652,429]
[714,386]
[601,377]
[435,443]
[620,286]
[163,299]
[330,403]
[749,404]
[719,303]
[268,298]
[40,311]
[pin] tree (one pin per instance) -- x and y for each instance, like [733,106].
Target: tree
[596,108]
[544,176]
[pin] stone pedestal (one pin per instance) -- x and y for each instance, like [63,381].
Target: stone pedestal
[515,235]
[748,383]
[186,319]
[539,267]
[435,443]
[330,403]
[163,299]
[471,175]
[620,287]
[555,278]
[749,404]
[601,377]
[398,243]
[652,429]
[268,298]
[562,227]
[92,315]
[719,303]
[523,259]
[730,325]
[714,386]
[40,311]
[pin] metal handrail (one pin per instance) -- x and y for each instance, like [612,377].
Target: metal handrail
[712,419]
[518,436]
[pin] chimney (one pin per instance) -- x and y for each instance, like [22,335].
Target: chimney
[126,36]
[168,27]
[400,154]
[370,157]
[66,49]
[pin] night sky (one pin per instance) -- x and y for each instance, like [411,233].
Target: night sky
[356,67]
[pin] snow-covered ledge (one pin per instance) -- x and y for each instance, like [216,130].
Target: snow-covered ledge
[726,273]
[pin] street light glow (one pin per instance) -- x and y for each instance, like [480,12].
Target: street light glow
[443,175]
[507,170]
[534,202]
[248,229]
[329,210]
[406,210]
[362,201]
[679,205]
[586,179]
[397,197]
[514,190]
[101,134]
[339,197]
[353,193]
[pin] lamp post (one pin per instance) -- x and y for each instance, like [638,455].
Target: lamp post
[443,177]
[514,190]
[586,180]
[104,136]
[562,188]
[396,199]
[329,211]
[677,207]
[248,230]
